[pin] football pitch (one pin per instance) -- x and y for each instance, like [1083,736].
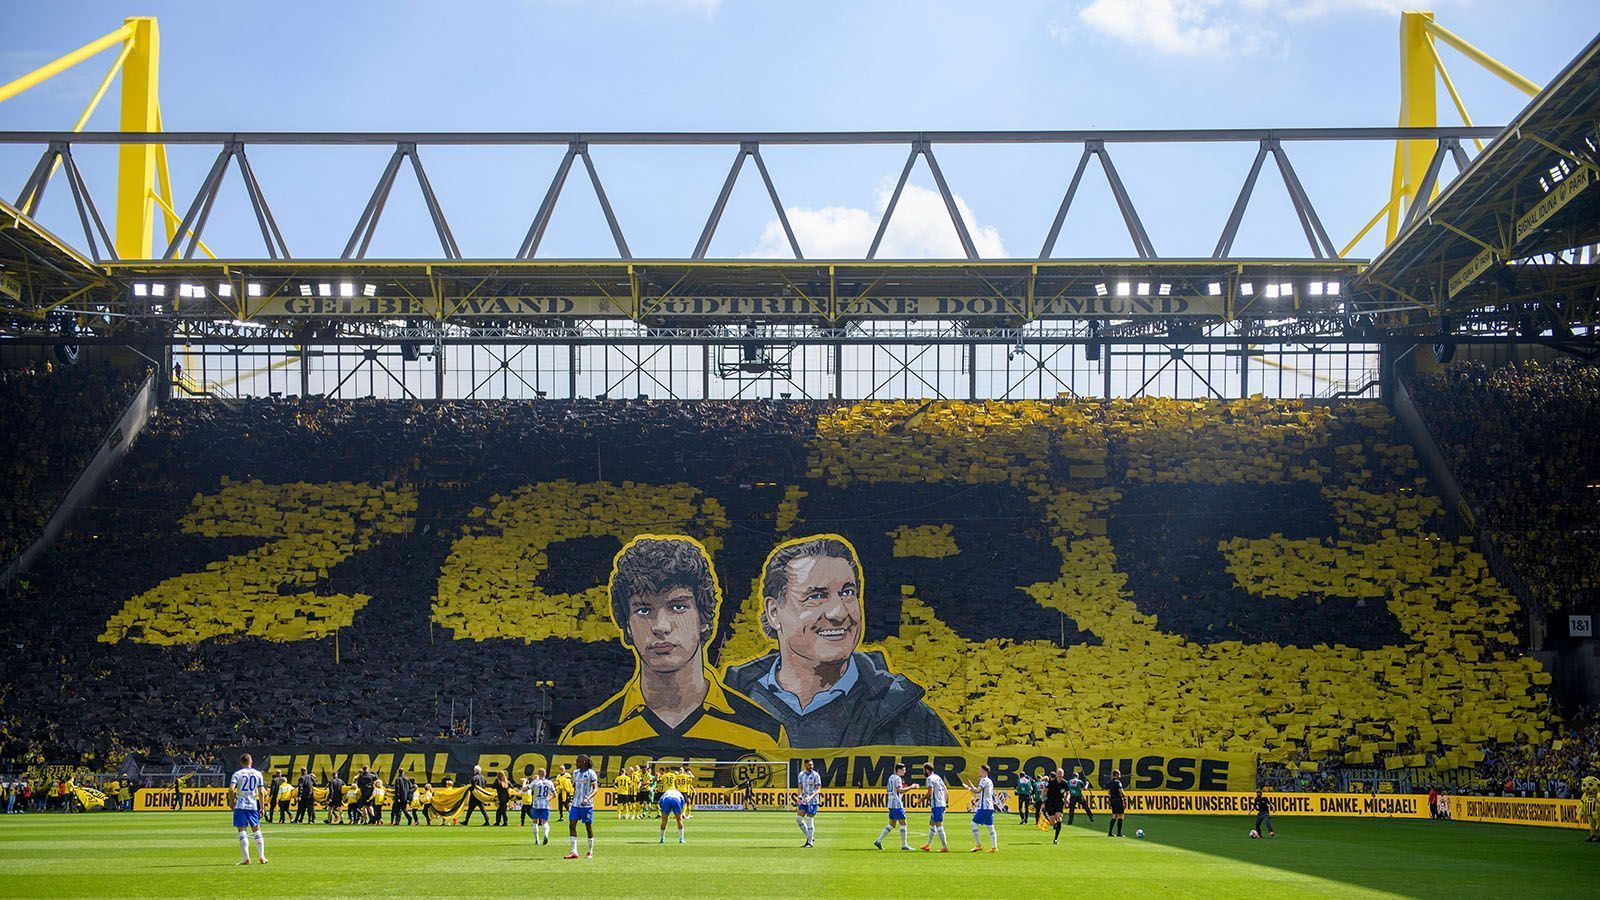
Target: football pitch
[759,855]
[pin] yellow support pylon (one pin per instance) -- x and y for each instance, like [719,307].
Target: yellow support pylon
[136,163]
[1420,70]
[1419,108]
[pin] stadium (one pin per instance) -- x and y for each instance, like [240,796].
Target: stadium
[631,490]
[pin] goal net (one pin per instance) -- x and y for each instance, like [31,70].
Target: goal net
[744,785]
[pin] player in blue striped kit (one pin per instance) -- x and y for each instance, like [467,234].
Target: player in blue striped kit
[984,813]
[542,790]
[938,800]
[810,785]
[246,788]
[585,783]
[897,808]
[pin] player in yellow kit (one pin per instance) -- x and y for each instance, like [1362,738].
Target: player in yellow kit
[686,781]
[624,788]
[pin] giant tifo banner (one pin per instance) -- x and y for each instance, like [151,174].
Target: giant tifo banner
[1167,588]
[856,768]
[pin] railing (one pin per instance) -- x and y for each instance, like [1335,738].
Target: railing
[1354,386]
[194,387]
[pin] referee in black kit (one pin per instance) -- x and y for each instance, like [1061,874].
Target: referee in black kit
[1055,794]
[1117,802]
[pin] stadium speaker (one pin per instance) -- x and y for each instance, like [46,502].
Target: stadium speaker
[1444,352]
[1091,351]
[410,351]
[67,354]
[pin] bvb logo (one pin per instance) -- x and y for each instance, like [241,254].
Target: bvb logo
[759,776]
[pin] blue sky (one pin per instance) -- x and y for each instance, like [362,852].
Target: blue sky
[562,65]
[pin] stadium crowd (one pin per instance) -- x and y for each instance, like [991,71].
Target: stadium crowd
[1551,769]
[52,418]
[1518,438]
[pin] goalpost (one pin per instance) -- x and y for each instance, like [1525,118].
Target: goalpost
[748,785]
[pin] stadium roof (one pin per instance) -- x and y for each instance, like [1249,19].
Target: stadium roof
[1527,194]
[36,262]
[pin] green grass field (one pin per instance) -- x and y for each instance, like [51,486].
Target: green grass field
[759,854]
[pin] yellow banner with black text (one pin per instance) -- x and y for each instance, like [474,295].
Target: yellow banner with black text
[451,801]
[1142,768]
[721,307]
[1515,811]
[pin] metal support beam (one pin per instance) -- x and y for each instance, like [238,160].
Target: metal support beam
[894,200]
[777,205]
[438,369]
[1425,189]
[1457,153]
[1231,229]
[704,244]
[361,237]
[270,234]
[447,241]
[962,234]
[605,204]
[200,208]
[541,219]
[765,138]
[1316,235]
[87,211]
[33,189]
[1066,204]
[1141,240]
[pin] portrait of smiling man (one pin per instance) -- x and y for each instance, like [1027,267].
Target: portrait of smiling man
[664,599]
[825,691]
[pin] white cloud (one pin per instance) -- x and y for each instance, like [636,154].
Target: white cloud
[920,229]
[1179,27]
[1201,28]
[1311,9]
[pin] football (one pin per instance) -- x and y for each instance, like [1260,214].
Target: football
[1138,832]
[1254,834]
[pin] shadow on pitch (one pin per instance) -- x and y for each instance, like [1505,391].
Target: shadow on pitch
[1413,857]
